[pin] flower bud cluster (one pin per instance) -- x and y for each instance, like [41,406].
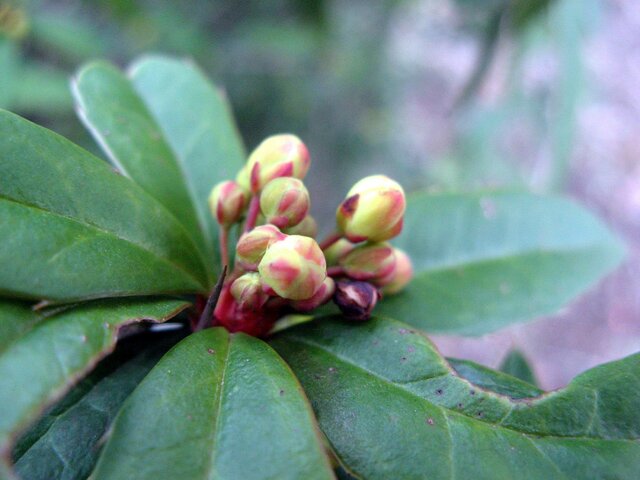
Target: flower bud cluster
[365,264]
[279,266]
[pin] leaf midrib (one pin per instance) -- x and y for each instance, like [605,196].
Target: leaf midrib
[445,411]
[204,243]
[447,267]
[143,247]
[218,408]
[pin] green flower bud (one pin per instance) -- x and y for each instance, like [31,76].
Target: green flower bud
[369,261]
[247,290]
[284,202]
[373,210]
[252,245]
[294,268]
[400,277]
[307,228]
[322,296]
[277,156]
[336,251]
[227,202]
[356,300]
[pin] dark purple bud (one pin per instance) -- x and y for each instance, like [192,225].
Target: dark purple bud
[356,300]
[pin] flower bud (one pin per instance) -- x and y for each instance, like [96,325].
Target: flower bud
[356,300]
[322,296]
[369,261]
[227,202]
[307,228]
[247,290]
[235,319]
[284,202]
[277,156]
[294,268]
[400,277]
[373,210]
[337,251]
[253,244]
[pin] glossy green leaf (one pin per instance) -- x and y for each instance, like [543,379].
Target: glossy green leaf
[66,442]
[41,365]
[392,407]
[16,318]
[218,405]
[515,364]
[73,229]
[196,120]
[120,122]
[494,381]
[484,261]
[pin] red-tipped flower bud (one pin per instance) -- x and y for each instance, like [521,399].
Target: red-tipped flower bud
[373,210]
[294,268]
[356,300]
[284,202]
[252,245]
[278,156]
[322,296]
[227,202]
[369,261]
[400,277]
[337,251]
[247,290]
[307,228]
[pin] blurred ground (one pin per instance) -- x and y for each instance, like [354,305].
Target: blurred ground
[443,94]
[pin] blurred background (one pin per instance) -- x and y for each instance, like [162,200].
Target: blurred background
[439,94]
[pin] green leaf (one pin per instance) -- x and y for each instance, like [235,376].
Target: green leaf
[484,261]
[120,122]
[515,364]
[66,442]
[16,318]
[497,382]
[73,229]
[196,120]
[218,405]
[41,365]
[392,407]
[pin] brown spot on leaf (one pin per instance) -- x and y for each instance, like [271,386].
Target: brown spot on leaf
[211,351]
[430,421]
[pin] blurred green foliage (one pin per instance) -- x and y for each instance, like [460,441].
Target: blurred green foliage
[322,70]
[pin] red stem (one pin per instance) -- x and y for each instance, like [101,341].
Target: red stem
[224,244]
[335,271]
[252,216]
[330,240]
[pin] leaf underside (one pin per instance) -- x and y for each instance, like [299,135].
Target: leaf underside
[53,353]
[66,441]
[484,261]
[392,407]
